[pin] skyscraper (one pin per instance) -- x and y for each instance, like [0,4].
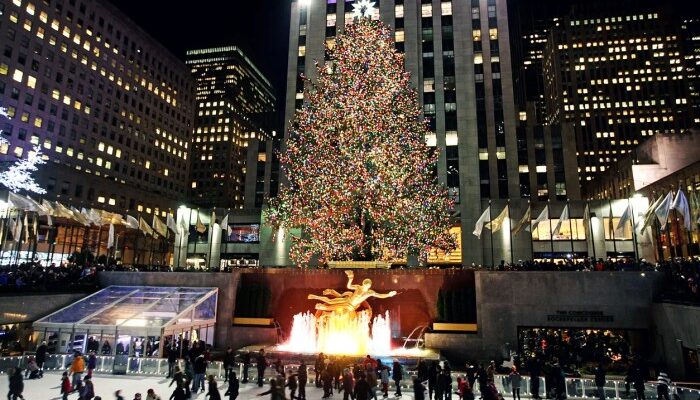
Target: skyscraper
[458,54]
[110,107]
[234,140]
[617,77]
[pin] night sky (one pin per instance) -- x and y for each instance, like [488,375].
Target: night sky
[259,27]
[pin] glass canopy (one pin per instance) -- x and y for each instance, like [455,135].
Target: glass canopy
[137,311]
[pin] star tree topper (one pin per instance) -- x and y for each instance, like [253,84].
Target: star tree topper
[363,9]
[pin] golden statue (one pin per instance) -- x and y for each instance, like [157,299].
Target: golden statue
[348,302]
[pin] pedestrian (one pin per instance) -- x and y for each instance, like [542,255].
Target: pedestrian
[293,385]
[213,392]
[418,389]
[189,375]
[348,385]
[371,376]
[482,378]
[491,371]
[77,368]
[91,363]
[327,379]
[261,362]
[246,366]
[362,389]
[66,387]
[397,376]
[118,395]
[422,371]
[535,370]
[151,395]
[384,378]
[32,371]
[229,361]
[433,372]
[303,376]
[318,368]
[273,392]
[447,381]
[663,383]
[172,361]
[137,396]
[41,357]
[599,375]
[179,394]
[200,369]
[233,386]
[515,380]
[87,392]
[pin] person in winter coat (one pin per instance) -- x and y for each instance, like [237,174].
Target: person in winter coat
[118,395]
[384,378]
[433,372]
[246,366]
[91,363]
[362,389]
[229,361]
[200,368]
[327,379]
[274,391]
[65,386]
[261,366]
[348,384]
[599,374]
[213,392]
[179,394]
[233,386]
[303,377]
[371,376]
[32,371]
[87,392]
[515,380]
[663,383]
[397,376]
[41,357]
[16,384]
[151,395]
[77,368]
[418,389]
[172,360]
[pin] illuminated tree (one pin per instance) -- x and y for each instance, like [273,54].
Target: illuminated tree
[19,175]
[361,183]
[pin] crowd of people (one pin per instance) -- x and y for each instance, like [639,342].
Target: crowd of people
[35,277]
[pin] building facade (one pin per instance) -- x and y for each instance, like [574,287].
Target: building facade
[458,54]
[617,78]
[234,142]
[110,108]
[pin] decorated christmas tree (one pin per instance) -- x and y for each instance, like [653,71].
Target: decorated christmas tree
[361,182]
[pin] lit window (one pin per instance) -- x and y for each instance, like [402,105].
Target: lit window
[446,7]
[30,8]
[399,35]
[426,10]
[476,35]
[478,58]
[493,33]
[31,81]
[398,11]
[112,202]
[38,121]
[47,143]
[19,151]
[100,199]
[3,69]
[34,139]
[17,76]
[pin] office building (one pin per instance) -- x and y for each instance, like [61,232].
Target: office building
[234,141]
[618,78]
[110,107]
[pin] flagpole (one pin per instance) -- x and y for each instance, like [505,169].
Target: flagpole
[211,238]
[493,262]
[612,228]
[19,240]
[571,229]
[551,235]
[510,232]
[196,236]
[634,230]
[529,222]
[590,227]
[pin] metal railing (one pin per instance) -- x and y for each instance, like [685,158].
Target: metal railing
[582,388]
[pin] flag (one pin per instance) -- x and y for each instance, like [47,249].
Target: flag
[170,222]
[485,216]
[159,226]
[95,217]
[16,229]
[35,227]
[562,218]
[144,227]
[49,220]
[663,209]
[680,204]
[183,225]
[524,221]
[132,222]
[79,217]
[199,226]
[48,208]
[695,208]
[110,238]
[587,216]
[497,223]
[212,221]
[23,203]
[649,214]
[224,223]
[63,212]
[544,215]
[26,227]
[625,218]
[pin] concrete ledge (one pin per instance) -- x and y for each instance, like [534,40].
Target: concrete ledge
[359,265]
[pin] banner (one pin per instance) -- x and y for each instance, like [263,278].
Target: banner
[497,223]
[479,226]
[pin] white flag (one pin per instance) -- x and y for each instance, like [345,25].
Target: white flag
[663,209]
[625,218]
[110,238]
[131,222]
[680,204]
[50,220]
[485,217]
[224,223]
[562,218]
[170,222]
[544,215]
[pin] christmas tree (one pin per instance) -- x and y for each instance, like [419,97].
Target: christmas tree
[361,177]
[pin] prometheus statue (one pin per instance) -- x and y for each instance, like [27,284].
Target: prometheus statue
[348,302]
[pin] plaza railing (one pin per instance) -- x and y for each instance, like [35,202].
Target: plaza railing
[580,388]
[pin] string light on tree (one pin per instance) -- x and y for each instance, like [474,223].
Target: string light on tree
[361,181]
[19,176]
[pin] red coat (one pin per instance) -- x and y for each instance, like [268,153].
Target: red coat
[65,385]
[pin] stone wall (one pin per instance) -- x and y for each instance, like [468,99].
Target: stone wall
[675,326]
[31,307]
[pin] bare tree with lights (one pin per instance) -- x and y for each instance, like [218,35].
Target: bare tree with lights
[19,176]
